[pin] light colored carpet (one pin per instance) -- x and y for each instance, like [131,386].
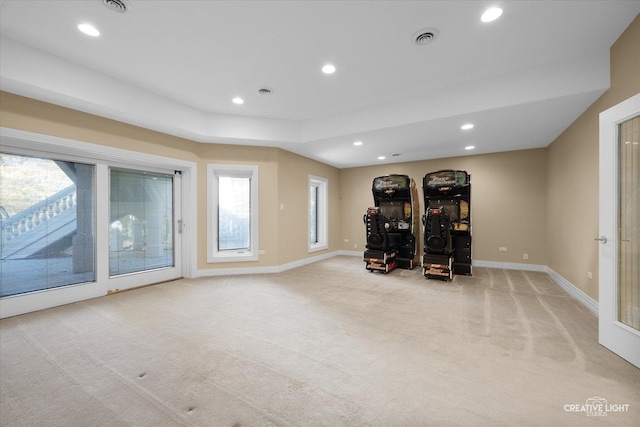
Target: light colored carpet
[328,344]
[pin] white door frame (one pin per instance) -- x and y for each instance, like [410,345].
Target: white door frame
[616,336]
[145,277]
[29,143]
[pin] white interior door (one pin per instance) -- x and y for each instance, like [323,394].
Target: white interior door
[619,277]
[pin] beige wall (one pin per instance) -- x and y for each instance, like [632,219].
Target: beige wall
[508,196]
[267,161]
[293,193]
[283,175]
[572,193]
[29,115]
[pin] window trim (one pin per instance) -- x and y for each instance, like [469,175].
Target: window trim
[322,214]
[240,171]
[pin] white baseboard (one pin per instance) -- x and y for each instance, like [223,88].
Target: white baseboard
[575,292]
[266,269]
[510,265]
[479,263]
[351,253]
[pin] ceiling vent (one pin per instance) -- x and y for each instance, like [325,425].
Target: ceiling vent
[425,36]
[120,6]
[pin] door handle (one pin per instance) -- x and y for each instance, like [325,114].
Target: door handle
[602,239]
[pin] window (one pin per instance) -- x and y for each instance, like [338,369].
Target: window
[318,213]
[313,214]
[233,213]
[47,223]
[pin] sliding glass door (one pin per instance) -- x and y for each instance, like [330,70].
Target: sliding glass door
[144,227]
[80,220]
[141,232]
[47,216]
[48,221]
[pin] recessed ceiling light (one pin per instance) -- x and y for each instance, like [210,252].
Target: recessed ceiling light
[469,147]
[466,126]
[491,14]
[328,69]
[381,157]
[89,30]
[238,100]
[358,143]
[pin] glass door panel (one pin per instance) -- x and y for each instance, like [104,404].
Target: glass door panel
[47,218]
[141,232]
[629,224]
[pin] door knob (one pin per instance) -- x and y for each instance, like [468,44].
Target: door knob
[602,239]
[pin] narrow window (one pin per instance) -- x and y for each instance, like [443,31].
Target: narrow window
[313,214]
[233,213]
[318,213]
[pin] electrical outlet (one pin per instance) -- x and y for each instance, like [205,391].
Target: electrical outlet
[261,252]
[346,240]
[525,256]
[355,246]
[589,275]
[502,249]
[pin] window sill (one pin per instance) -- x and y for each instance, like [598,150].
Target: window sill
[233,257]
[317,248]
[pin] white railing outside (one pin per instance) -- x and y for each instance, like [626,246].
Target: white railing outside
[31,225]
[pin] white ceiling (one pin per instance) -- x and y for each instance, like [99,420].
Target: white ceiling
[174,66]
